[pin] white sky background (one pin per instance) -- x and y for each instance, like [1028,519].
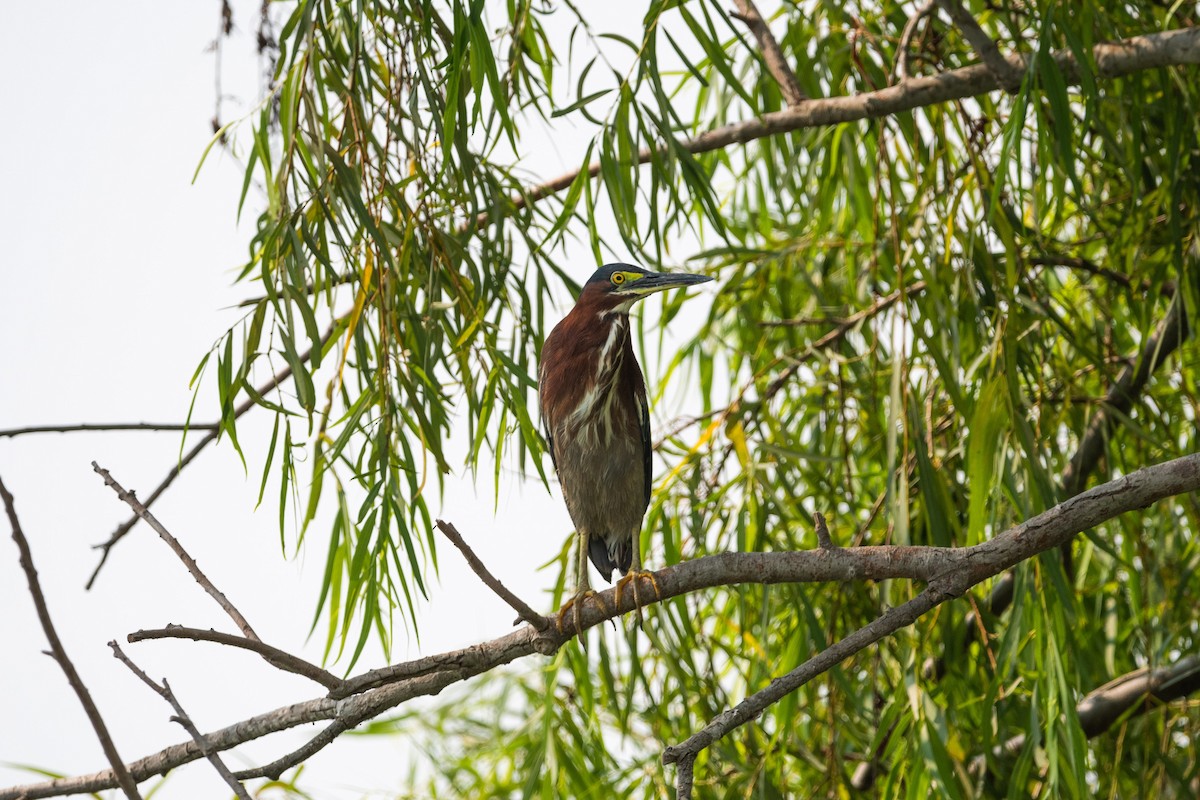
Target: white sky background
[115,278]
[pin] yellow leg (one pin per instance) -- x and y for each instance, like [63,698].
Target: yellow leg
[583,589]
[634,577]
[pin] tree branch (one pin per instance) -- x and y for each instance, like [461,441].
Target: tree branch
[8,433]
[173,543]
[524,612]
[776,62]
[1110,60]
[1171,332]
[210,437]
[1005,73]
[121,776]
[164,691]
[906,35]
[272,655]
[949,571]
[1049,529]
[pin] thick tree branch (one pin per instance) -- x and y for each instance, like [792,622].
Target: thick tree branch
[524,612]
[1131,694]
[949,571]
[121,776]
[1171,332]
[1049,529]
[272,655]
[164,691]
[1110,60]
[116,426]
[140,509]
[210,437]
[776,62]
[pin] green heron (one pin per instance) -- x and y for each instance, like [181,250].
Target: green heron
[597,421]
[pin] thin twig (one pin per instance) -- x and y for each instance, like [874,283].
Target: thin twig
[776,62]
[272,655]
[210,437]
[520,606]
[910,28]
[949,570]
[122,776]
[116,426]
[164,691]
[140,509]
[984,46]
[300,754]
[823,537]
[892,620]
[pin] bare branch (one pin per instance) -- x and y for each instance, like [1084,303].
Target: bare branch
[1110,59]
[121,776]
[949,572]
[1005,73]
[164,691]
[1118,402]
[173,543]
[776,62]
[210,437]
[116,426]
[892,620]
[272,655]
[523,610]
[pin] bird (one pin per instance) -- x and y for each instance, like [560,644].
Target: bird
[596,418]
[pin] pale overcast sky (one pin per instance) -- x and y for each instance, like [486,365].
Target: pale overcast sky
[116,279]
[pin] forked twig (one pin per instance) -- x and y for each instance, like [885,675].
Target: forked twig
[164,691]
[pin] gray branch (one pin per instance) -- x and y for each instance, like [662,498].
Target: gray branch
[140,509]
[1006,75]
[949,572]
[164,691]
[1110,60]
[776,62]
[1049,529]
[120,775]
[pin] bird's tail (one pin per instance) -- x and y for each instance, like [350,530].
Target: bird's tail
[607,556]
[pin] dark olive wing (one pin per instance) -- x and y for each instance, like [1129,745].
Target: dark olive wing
[643,412]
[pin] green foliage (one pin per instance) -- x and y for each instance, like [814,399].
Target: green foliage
[1005,257]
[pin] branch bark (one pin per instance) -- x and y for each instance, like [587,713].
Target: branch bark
[210,437]
[164,691]
[949,571]
[121,776]
[9,433]
[280,659]
[776,62]
[984,46]
[524,612]
[140,509]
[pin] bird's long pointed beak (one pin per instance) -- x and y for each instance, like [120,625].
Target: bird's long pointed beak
[659,281]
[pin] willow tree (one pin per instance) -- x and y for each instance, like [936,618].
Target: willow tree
[956,252]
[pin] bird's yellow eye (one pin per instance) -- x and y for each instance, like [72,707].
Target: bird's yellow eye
[618,278]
